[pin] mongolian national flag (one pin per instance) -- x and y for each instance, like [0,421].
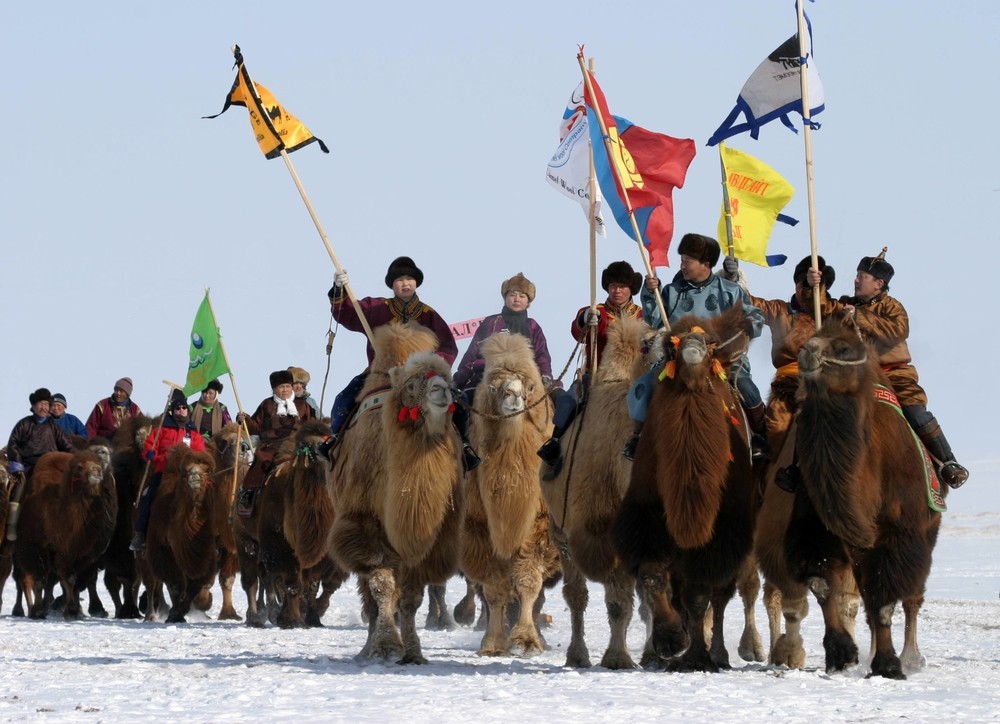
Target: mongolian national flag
[208,360]
[647,167]
[757,194]
[568,170]
[774,90]
[273,126]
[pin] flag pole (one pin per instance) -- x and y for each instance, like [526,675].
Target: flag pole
[232,377]
[726,205]
[305,198]
[807,138]
[592,190]
[628,204]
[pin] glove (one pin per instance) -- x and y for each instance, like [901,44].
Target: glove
[14,467]
[151,455]
[341,280]
[593,317]
[731,268]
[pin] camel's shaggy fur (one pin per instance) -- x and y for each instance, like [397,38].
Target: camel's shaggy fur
[863,503]
[506,542]
[585,496]
[686,523]
[181,549]
[397,488]
[68,515]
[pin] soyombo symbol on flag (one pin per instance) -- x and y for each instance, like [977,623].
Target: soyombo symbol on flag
[273,126]
[757,194]
[208,361]
[650,166]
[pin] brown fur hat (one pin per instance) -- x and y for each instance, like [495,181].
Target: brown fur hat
[39,395]
[829,275]
[703,248]
[299,375]
[518,283]
[403,266]
[281,377]
[621,272]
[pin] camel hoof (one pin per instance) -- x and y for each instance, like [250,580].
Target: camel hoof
[617,661]
[887,666]
[412,658]
[229,615]
[751,648]
[689,663]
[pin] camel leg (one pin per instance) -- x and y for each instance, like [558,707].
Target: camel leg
[288,586]
[525,640]
[772,606]
[439,618]
[717,650]
[696,657]
[494,641]
[95,608]
[618,601]
[576,596]
[203,601]
[34,597]
[71,605]
[751,647]
[841,651]
[154,592]
[911,658]
[465,609]
[885,662]
[386,642]
[667,637]
[410,598]
[228,612]
[181,597]
[788,649]
[850,604]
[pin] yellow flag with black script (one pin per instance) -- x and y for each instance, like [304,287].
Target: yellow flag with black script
[273,126]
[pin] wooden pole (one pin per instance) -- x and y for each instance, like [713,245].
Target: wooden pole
[232,377]
[592,190]
[726,206]
[628,204]
[807,138]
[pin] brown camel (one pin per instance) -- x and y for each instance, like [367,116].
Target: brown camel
[585,496]
[181,547]
[397,482]
[869,500]
[67,518]
[685,527]
[506,546]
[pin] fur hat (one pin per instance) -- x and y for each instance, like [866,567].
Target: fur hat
[518,283]
[299,375]
[125,383]
[60,398]
[214,385]
[39,395]
[177,399]
[877,266]
[799,275]
[281,377]
[703,248]
[403,266]
[621,272]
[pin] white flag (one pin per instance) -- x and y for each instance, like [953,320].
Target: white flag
[569,168]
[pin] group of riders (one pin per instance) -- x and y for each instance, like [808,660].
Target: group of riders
[697,290]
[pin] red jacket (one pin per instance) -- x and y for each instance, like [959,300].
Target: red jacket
[166,437]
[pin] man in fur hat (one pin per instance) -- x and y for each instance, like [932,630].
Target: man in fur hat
[697,290]
[109,413]
[32,437]
[884,323]
[300,378]
[621,282]
[177,429]
[403,277]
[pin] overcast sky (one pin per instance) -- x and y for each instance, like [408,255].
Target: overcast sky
[120,204]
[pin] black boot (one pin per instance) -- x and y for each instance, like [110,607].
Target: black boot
[324,448]
[565,410]
[788,479]
[633,442]
[757,419]
[551,449]
[952,473]
[469,457]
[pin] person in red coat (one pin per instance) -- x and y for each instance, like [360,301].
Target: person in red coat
[110,412]
[177,429]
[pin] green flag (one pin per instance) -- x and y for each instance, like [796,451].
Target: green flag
[208,361]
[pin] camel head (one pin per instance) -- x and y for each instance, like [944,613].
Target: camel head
[706,348]
[511,380]
[133,433]
[101,448]
[224,443]
[422,391]
[86,473]
[837,359]
[197,475]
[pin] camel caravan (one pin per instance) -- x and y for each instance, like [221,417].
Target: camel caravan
[403,495]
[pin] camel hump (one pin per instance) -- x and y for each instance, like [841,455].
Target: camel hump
[507,344]
[396,341]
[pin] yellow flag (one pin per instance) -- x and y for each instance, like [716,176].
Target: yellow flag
[273,126]
[757,194]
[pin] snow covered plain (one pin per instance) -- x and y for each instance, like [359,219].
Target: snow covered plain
[205,670]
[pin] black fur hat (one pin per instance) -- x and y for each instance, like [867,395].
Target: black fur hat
[703,248]
[281,377]
[177,399]
[403,266]
[214,385]
[621,272]
[39,395]
[829,275]
[877,266]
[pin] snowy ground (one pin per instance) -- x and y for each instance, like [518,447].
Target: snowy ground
[105,670]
